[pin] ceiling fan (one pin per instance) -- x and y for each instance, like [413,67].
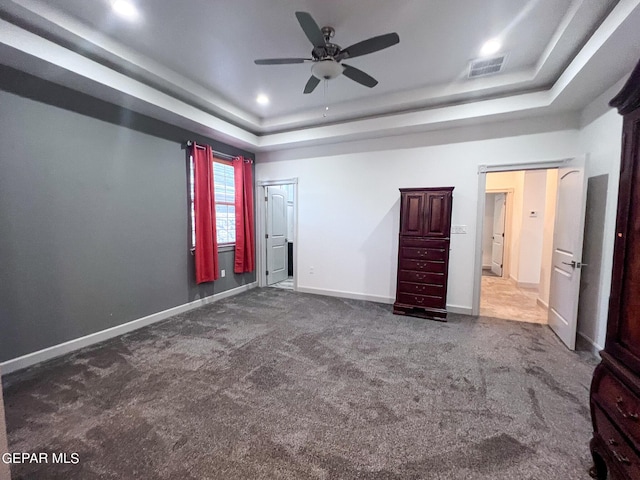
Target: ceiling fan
[327,57]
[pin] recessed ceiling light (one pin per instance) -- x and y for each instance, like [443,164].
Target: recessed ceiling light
[262,99]
[125,9]
[490,47]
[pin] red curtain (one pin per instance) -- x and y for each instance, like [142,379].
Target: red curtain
[206,241]
[245,235]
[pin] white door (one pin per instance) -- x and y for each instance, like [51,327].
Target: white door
[567,252]
[497,245]
[277,251]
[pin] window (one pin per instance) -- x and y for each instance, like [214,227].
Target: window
[225,196]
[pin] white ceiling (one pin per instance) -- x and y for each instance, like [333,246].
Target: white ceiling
[199,53]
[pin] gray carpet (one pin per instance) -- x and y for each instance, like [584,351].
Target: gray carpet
[273,384]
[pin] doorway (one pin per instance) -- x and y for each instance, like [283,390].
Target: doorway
[497,232]
[558,279]
[517,242]
[277,245]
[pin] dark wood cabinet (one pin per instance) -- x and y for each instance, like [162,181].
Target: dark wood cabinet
[615,389]
[423,252]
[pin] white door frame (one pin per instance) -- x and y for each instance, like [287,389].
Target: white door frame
[508,211]
[261,227]
[482,185]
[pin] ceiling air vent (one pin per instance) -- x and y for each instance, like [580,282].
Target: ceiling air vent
[486,66]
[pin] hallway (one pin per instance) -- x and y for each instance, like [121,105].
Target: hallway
[501,298]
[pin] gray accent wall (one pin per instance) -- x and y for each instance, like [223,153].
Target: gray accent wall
[94,224]
[5,474]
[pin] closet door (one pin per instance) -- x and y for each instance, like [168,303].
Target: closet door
[412,208]
[438,219]
[623,337]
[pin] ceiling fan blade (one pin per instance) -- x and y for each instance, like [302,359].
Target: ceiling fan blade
[370,45]
[311,85]
[310,29]
[280,61]
[359,76]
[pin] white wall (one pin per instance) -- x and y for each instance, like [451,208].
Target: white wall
[532,231]
[600,135]
[487,231]
[348,201]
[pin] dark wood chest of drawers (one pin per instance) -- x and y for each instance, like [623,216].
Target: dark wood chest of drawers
[615,389]
[423,252]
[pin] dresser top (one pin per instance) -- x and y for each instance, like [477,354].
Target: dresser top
[427,189]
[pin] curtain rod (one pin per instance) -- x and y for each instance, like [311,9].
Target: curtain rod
[225,156]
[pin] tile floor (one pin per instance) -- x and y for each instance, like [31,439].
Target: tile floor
[501,298]
[285,284]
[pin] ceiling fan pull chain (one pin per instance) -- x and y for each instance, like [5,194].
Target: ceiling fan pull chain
[326,98]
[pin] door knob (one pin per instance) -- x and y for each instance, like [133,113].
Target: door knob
[574,264]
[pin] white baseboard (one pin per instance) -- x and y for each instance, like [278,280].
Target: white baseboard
[343,294]
[486,267]
[372,298]
[55,351]
[542,303]
[459,309]
[588,342]
[528,285]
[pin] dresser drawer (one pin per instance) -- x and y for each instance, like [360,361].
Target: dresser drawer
[621,452]
[423,253]
[421,289]
[421,277]
[421,300]
[424,242]
[622,405]
[431,266]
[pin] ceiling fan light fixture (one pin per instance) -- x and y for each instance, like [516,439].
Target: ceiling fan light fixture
[326,69]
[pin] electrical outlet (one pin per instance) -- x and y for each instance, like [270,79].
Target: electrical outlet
[223,273]
[458,229]
[310,270]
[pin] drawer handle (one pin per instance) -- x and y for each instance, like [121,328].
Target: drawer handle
[612,441]
[419,300]
[631,415]
[420,277]
[621,458]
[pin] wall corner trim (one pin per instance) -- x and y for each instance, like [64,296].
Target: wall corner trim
[48,353]
[588,344]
